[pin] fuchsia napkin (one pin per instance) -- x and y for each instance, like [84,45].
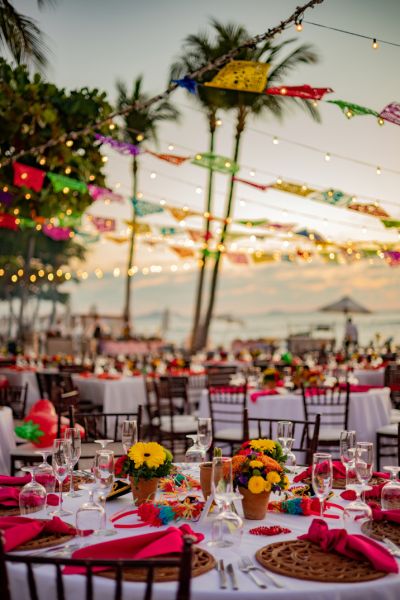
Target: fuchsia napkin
[357,547]
[139,546]
[9,497]
[255,395]
[18,530]
[339,472]
[386,515]
[374,493]
[108,376]
[8,480]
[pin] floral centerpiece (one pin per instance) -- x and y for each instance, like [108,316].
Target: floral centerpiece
[270,377]
[258,469]
[144,464]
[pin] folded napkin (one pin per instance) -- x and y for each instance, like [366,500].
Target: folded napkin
[357,547]
[86,374]
[8,480]
[386,515]
[108,376]
[255,395]
[18,530]
[9,497]
[136,547]
[371,494]
[339,472]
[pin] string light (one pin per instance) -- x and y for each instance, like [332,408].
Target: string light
[299,25]
[69,143]
[378,170]
[153,175]
[67,170]
[14,278]
[327,157]
[275,140]
[32,278]
[171,147]
[20,272]
[198,190]
[104,159]
[218,122]
[375,44]
[252,173]
[50,276]
[140,137]
[111,126]
[381,121]
[116,272]
[162,202]
[42,161]
[67,276]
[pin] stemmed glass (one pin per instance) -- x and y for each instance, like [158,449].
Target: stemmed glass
[129,434]
[90,515]
[322,477]
[103,443]
[104,474]
[358,509]
[60,463]
[44,473]
[284,434]
[347,452]
[364,463]
[227,522]
[32,497]
[196,453]
[390,498]
[73,436]
[204,432]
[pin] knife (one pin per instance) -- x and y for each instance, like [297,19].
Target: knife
[232,575]
[222,574]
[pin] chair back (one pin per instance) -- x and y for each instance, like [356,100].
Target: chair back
[75,368]
[226,408]
[51,383]
[220,375]
[15,397]
[105,425]
[392,380]
[305,434]
[331,403]
[182,562]
[175,389]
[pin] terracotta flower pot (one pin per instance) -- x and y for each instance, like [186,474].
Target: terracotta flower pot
[144,490]
[254,505]
[205,478]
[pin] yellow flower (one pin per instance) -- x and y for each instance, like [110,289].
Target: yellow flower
[263,445]
[150,453]
[267,486]
[273,477]
[256,484]
[286,482]
[256,464]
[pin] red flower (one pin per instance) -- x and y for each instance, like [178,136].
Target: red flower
[119,468]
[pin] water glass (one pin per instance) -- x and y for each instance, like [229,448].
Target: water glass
[44,474]
[129,434]
[32,497]
[103,470]
[204,432]
[196,453]
[60,464]
[322,477]
[347,452]
[284,432]
[390,498]
[364,461]
[90,515]
[73,436]
[227,527]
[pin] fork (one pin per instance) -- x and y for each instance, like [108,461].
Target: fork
[252,567]
[245,568]
[392,547]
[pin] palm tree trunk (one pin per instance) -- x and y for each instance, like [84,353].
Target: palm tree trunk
[131,254]
[214,280]
[24,286]
[204,254]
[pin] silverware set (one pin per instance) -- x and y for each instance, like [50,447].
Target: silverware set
[223,582]
[393,548]
[247,566]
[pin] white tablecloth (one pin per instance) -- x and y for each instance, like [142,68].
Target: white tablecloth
[370,376]
[367,410]
[205,587]
[7,439]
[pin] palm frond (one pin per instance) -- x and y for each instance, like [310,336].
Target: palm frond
[304,54]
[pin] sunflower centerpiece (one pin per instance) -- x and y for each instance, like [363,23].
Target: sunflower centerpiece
[258,469]
[145,464]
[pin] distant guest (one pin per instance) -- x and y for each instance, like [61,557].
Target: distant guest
[350,336]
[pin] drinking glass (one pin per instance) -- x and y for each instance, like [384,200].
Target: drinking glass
[45,473]
[390,498]
[227,527]
[364,461]
[291,460]
[322,476]
[60,463]
[90,515]
[73,436]
[104,465]
[103,443]
[284,432]
[204,432]
[347,452]
[32,497]
[129,434]
[195,453]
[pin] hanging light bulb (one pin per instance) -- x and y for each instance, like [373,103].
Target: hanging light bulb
[171,147]
[375,44]
[198,190]
[381,121]
[252,173]
[348,113]
[275,141]
[299,25]
[327,157]
[153,175]
[378,171]
[218,122]
[140,137]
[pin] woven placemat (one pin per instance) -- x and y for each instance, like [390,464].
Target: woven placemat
[12,511]
[202,562]
[44,540]
[305,560]
[382,529]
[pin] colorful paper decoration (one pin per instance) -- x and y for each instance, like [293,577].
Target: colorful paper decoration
[238,258]
[62,183]
[58,234]
[140,228]
[28,176]
[393,258]
[242,76]
[170,158]
[299,91]
[8,222]
[391,113]
[180,214]
[262,257]
[311,235]
[187,84]
[182,252]
[5,198]
[373,210]
[335,197]
[121,147]
[282,227]
[351,109]
[389,223]
[254,223]
[103,224]
[215,162]
[143,208]
[168,231]
[117,239]
[259,186]
[100,193]
[293,188]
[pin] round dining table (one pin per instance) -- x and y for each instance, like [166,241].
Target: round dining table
[373,377]
[206,586]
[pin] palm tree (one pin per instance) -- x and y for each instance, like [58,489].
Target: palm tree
[139,125]
[198,50]
[21,36]
[247,104]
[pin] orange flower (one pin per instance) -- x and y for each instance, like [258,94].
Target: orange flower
[271,464]
[237,462]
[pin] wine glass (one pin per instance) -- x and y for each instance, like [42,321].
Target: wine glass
[60,463]
[227,527]
[90,515]
[129,434]
[32,497]
[73,436]
[196,453]
[364,461]
[322,477]
[103,443]
[104,465]
[45,473]
[204,432]
[291,460]
[284,433]
[347,452]
[390,498]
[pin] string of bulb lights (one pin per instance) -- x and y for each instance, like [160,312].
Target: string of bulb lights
[374,40]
